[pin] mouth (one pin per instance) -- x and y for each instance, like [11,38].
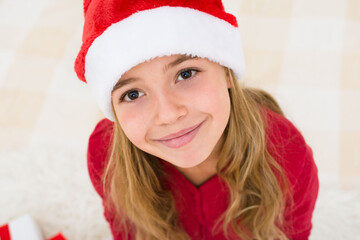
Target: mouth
[181,138]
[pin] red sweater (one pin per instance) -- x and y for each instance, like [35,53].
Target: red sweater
[200,207]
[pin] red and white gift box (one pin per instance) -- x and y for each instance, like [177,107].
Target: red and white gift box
[24,228]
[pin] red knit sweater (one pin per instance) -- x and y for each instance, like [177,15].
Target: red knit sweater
[200,207]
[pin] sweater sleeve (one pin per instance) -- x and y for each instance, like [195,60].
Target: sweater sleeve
[98,146]
[97,154]
[305,192]
[296,158]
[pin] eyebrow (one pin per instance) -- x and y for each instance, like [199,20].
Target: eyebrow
[177,61]
[124,82]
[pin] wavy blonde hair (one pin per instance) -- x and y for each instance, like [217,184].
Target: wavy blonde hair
[256,182]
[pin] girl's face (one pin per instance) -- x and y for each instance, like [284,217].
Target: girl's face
[174,107]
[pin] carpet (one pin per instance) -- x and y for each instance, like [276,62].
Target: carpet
[52,185]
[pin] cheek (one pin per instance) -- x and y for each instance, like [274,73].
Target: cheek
[213,99]
[134,124]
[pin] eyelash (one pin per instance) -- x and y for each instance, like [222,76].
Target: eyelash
[126,93]
[187,70]
[177,76]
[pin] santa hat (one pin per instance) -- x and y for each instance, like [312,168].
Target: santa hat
[120,34]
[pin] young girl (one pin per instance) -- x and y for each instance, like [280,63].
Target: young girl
[186,151]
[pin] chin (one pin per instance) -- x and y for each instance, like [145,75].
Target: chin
[189,162]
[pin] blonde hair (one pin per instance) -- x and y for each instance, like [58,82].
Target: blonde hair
[257,184]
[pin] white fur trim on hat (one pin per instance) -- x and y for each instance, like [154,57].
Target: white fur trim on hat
[154,33]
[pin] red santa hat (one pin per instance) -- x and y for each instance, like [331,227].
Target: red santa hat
[120,34]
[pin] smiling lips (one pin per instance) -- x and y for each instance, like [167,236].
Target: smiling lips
[181,138]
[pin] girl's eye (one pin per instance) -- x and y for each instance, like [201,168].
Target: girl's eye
[186,74]
[131,96]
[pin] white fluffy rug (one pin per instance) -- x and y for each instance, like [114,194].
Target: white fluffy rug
[53,186]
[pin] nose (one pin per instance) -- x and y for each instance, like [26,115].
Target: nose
[169,108]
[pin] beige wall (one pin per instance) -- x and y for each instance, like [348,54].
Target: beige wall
[305,52]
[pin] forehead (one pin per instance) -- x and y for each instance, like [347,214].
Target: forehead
[164,62]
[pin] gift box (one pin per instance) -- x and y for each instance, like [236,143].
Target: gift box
[59,236]
[24,228]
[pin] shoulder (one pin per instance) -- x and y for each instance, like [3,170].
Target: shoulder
[288,147]
[280,130]
[102,131]
[286,144]
[97,153]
